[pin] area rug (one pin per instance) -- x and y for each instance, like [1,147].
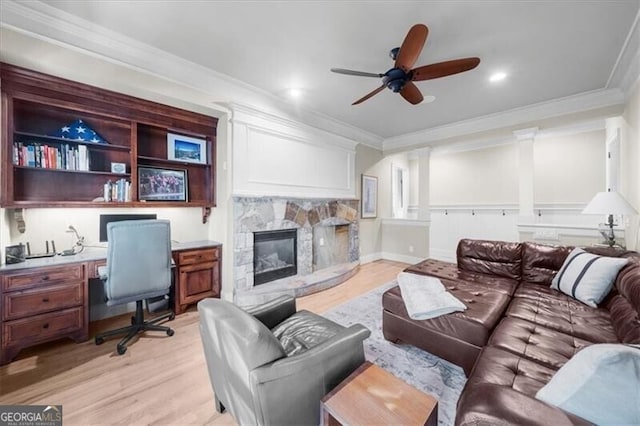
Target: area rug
[424,371]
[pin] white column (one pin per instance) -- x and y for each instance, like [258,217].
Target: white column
[424,158]
[525,139]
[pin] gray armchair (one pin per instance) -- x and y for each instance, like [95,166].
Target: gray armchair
[271,365]
[138,268]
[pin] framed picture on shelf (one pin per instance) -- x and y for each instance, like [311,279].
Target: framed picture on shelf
[369,197]
[186,148]
[156,184]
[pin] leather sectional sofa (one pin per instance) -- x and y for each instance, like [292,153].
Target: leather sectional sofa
[517,331]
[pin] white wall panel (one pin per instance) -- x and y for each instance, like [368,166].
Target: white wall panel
[281,161]
[448,226]
[276,157]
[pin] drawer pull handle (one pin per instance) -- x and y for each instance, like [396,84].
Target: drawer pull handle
[45,278]
[45,299]
[45,325]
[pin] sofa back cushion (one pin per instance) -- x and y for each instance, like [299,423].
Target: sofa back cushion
[541,262]
[624,307]
[499,258]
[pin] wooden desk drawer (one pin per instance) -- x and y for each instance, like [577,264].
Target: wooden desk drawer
[35,301]
[43,327]
[42,276]
[197,256]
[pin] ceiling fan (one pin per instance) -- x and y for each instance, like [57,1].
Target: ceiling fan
[400,78]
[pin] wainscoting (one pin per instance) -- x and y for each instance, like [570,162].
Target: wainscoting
[551,224]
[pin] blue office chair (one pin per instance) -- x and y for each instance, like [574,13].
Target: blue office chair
[138,268]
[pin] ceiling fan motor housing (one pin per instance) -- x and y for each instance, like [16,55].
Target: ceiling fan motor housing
[395,79]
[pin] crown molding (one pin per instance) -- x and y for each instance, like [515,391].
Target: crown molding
[248,115]
[568,105]
[626,70]
[47,23]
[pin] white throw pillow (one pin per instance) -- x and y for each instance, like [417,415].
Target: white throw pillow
[587,277]
[601,384]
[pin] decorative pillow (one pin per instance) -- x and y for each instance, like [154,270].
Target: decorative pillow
[587,277]
[600,384]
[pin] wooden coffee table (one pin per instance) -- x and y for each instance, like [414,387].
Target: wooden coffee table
[370,395]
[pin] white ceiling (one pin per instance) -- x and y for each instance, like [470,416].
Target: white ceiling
[550,49]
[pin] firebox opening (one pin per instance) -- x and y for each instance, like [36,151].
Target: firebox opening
[275,255]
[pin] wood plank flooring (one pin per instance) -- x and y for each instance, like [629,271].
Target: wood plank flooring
[159,380]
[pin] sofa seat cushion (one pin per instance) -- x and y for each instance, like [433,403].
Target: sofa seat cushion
[572,318]
[535,342]
[440,269]
[499,367]
[484,310]
[304,330]
[542,293]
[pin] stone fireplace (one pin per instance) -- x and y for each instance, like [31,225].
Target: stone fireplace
[272,234]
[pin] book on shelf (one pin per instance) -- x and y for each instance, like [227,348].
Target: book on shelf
[119,190]
[62,157]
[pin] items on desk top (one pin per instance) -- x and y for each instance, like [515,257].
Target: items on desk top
[48,253]
[14,254]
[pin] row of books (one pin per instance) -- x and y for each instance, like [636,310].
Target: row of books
[119,190]
[63,156]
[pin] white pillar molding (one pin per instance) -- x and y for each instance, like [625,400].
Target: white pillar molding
[525,139]
[424,159]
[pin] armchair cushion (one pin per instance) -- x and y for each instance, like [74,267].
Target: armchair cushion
[304,330]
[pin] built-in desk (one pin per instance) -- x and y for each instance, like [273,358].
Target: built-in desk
[48,298]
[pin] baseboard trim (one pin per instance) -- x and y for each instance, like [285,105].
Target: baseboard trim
[368,258]
[401,258]
[443,255]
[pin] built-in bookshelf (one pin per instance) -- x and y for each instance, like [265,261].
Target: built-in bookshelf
[70,144]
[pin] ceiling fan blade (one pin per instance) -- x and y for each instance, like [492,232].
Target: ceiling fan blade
[443,69]
[357,73]
[367,96]
[411,93]
[411,47]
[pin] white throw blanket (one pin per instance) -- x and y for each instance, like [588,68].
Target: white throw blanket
[425,297]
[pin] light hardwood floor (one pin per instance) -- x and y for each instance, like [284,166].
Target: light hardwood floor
[159,380]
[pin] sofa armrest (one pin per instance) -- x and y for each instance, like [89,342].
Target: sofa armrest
[273,312]
[305,378]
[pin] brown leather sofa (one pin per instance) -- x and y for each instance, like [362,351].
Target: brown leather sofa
[517,331]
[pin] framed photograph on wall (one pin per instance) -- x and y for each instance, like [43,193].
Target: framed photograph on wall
[156,184]
[186,148]
[369,197]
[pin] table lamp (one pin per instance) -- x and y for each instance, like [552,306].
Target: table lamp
[609,203]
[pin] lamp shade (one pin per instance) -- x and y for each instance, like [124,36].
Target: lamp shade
[609,203]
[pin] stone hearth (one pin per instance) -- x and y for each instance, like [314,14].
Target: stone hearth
[256,214]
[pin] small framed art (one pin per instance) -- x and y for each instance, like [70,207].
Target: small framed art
[369,197]
[186,148]
[156,184]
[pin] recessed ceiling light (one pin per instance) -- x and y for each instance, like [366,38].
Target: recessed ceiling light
[497,77]
[294,92]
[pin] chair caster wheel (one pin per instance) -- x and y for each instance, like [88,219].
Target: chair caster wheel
[172,316]
[170,332]
[121,349]
[99,340]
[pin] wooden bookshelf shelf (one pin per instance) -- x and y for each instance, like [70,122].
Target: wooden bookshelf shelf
[36,105]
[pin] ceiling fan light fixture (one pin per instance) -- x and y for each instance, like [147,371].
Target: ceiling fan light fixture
[498,76]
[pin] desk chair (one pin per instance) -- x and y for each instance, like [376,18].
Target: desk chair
[138,268]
